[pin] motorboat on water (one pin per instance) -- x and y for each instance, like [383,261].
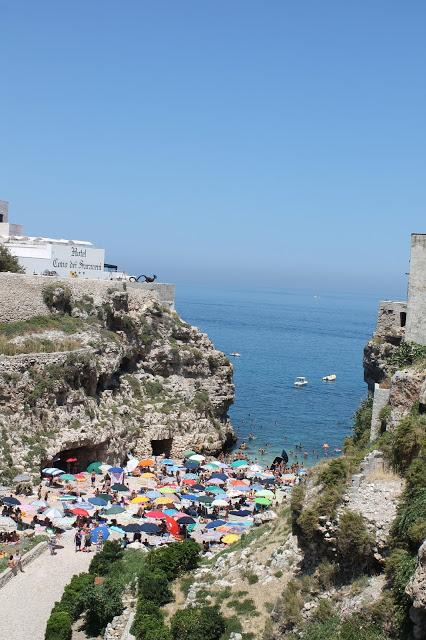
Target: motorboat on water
[235,354]
[330,378]
[300,381]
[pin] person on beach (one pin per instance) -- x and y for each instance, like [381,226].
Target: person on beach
[11,565]
[52,544]
[17,558]
[99,541]
[77,540]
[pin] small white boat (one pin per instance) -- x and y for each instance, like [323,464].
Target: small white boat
[330,378]
[235,354]
[300,381]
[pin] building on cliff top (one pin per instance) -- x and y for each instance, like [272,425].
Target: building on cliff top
[400,320]
[51,256]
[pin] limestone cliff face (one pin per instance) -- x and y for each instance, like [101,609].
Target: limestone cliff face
[126,375]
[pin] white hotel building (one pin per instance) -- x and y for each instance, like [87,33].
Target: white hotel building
[50,256]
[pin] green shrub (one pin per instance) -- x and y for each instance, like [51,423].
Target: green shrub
[409,439]
[102,561]
[175,559]
[198,623]
[416,474]
[354,544]
[154,586]
[102,603]
[8,262]
[400,566]
[324,611]
[407,354]
[411,511]
[73,597]
[362,422]
[292,603]
[334,473]
[326,574]
[296,505]
[59,626]
[148,622]
[57,297]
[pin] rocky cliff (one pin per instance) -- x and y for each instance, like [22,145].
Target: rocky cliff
[98,379]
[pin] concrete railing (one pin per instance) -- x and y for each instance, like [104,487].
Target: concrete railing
[28,557]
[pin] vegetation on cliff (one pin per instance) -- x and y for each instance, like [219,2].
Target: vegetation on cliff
[8,262]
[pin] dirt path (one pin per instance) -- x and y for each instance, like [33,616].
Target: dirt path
[27,599]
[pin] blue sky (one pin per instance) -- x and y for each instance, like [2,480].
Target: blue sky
[278,143]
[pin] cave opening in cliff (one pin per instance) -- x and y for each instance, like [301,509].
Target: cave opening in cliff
[162,447]
[403,318]
[81,457]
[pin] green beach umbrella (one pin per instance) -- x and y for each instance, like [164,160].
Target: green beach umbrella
[205,499]
[167,490]
[213,489]
[187,454]
[262,501]
[67,476]
[264,493]
[94,466]
[114,510]
[239,463]
[210,465]
[104,496]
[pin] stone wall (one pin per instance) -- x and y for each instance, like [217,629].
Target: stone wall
[391,319]
[21,296]
[380,400]
[416,310]
[28,557]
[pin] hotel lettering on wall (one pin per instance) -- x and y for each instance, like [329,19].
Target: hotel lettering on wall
[72,258]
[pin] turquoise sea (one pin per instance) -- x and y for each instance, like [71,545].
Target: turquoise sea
[281,335]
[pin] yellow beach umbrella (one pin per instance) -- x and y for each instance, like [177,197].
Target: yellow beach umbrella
[230,538]
[147,474]
[166,499]
[139,499]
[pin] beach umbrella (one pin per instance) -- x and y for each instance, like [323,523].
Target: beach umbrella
[284,456]
[263,501]
[219,502]
[239,483]
[52,513]
[139,500]
[197,457]
[264,493]
[94,534]
[114,510]
[148,474]
[67,477]
[69,460]
[239,463]
[170,512]
[167,489]
[255,468]
[215,523]
[63,523]
[22,477]
[67,498]
[205,499]
[168,462]
[209,466]
[99,502]
[230,538]
[52,471]
[7,524]
[116,470]
[39,504]
[119,487]
[105,496]
[78,511]
[10,500]
[192,464]
[197,487]
[133,527]
[118,530]
[234,493]
[217,481]
[150,527]
[94,466]
[153,494]
[189,496]
[241,513]
[147,462]
[184,519]
[166,499]
[191,476]
[189,481]
[156,515]
[214,489]
[219,476]
[189,453]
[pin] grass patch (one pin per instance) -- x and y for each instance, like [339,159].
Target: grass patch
[243,607]
[38,324]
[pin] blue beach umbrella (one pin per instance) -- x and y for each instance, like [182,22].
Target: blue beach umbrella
[192,464]
[115,470]
[99,502]
[220,476]
[133,527]
[117,530]
[167,461]
[191,476]
[241,513]
[170,512]
[150,527]
[94,535]
[213,489]
[197,487]
[189,496]
[215,523]
[153,494]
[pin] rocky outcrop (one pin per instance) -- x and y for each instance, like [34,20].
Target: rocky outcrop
[416,589]
[408,387]
[124,375]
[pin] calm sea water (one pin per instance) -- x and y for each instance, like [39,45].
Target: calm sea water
[281,335]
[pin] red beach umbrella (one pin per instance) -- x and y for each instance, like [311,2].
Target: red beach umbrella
[71,460]
[157,515]
[79,512]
